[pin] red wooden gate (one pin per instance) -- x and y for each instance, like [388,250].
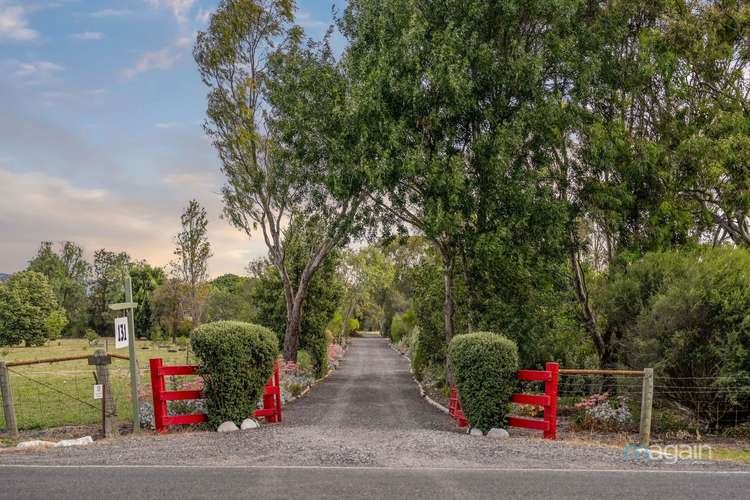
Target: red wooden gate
[162,420]
[548,400]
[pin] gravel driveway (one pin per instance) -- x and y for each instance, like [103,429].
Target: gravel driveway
[367,413]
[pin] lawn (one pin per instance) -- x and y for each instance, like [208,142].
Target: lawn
[57,394]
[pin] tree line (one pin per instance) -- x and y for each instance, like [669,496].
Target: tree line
[537,140]
[61,293]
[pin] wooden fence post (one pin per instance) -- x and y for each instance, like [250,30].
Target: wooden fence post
[9,410]
[647,400]
[101,361]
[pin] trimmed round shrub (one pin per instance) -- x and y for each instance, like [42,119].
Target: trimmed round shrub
[484,367]
[236,359]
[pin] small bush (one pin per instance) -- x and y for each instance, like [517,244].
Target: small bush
[402,324]
[91,336]
[741,431]
[236,359]
[484,367]
[157,334]
[304,360]
[181,341]
[295,389]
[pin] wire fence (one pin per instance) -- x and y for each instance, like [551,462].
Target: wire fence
[45,397]
[704,403]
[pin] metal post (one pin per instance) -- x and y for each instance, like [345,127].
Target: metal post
[133,361]
[101,361]
[647,401]
[9,410]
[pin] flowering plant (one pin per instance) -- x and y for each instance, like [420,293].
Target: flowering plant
[599,412]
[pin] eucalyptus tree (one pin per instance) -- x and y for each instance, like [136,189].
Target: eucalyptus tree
[279,116]
[452,88]
[711,123]
[649,147]
[192,252]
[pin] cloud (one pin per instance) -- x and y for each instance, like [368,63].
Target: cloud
[14,25]
[37,206]
[203,16]
[306,20]
[88,35]
[180,8]
[168,125]
[37,69]
[162,59]
[111,13]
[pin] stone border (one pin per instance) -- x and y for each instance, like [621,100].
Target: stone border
[318,381]
[422,392]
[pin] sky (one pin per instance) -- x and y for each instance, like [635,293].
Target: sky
[101,142]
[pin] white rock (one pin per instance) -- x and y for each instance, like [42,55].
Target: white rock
[498,433]
[227,427]
[476,432]
[35,443]
[249,423]
[74,442]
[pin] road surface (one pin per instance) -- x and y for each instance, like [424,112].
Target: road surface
[364,432]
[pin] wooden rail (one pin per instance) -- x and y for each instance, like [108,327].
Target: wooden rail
[614,373]
[58,360]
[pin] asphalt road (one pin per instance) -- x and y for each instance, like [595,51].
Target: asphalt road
[365,432]
[343,483]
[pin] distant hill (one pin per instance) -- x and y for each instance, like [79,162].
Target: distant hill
[4,276]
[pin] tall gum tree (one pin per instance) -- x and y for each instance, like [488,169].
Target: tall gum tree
[279,117]
[451,86]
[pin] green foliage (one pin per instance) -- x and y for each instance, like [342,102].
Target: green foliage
[29,311]
[289,145]
[106,288]
[402,324]
[295,389]
[229,299]
[304,360]
[685,314]
[236,359]
[169,301]
[145,279]
[352,325]
[91,336]
[427,302]
[485,366]
[157,334]
[68,274]
[323,297]
[192,251]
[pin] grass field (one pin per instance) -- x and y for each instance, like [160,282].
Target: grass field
[57,394]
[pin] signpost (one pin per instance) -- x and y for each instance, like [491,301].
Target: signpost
[129,340]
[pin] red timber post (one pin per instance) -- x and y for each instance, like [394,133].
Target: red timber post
[277,383]
[157,390]
[550,410]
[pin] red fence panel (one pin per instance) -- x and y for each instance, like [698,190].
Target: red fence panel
[271,410]
[548,400]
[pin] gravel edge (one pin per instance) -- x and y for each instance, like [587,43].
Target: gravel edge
[422,392]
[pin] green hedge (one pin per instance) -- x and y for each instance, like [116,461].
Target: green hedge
[484,367]
[236,360]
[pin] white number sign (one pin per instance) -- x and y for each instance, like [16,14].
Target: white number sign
[98,391]
[121,332]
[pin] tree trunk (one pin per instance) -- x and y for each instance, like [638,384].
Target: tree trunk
[291,335]
[448,312]
[345,320]
[582,294]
